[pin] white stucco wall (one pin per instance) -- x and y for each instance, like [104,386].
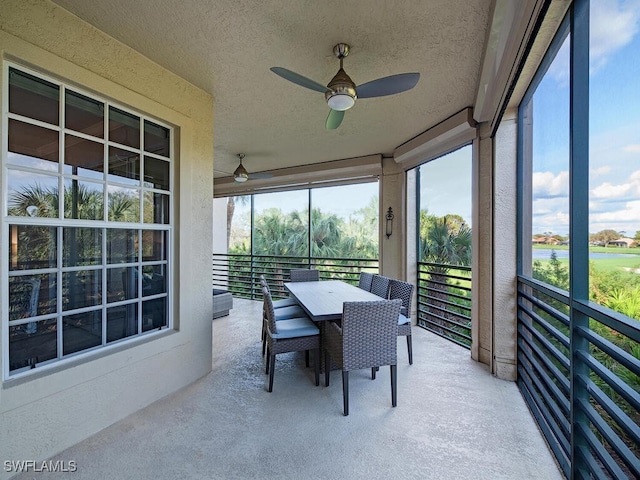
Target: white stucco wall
[43,414]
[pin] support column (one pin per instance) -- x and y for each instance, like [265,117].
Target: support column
[393,194]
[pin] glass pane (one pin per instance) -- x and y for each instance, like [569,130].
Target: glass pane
[83,200]
[154,245]
[83,157]
[154,314]
[81,289]
[344,221]
[445,209]
[31,195]
[27,349]
[32,141]
[156,208]
[124,166]
[281,225]
[548,125]
[156,173]
[84,114]
[614,171]
[122,284]
[238,221]
[32,295]
[81,246]
[33,97]
[156,139]
[154,280]
[122,245]
[122,321]
[124,128]
[81,331]
[124,204]
[32,247]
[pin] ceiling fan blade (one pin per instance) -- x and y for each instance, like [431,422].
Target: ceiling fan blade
[299,79]
[334,119]
[260,175]
[388,85]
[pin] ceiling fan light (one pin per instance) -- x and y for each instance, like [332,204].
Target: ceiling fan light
[341,101]
[240,175]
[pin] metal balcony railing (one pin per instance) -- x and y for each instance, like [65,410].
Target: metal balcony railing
[444,301]
[240,274]
[579,372]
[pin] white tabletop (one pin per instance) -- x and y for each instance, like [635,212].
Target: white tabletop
[323,300]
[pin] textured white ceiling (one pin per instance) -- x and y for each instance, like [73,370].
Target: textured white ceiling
[226,47]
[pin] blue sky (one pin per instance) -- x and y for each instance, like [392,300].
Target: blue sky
[614,140]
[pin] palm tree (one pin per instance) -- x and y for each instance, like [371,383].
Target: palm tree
[446,242]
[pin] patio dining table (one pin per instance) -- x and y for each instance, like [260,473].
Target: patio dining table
[323,300]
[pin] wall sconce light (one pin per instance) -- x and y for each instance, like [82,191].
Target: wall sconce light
[389,227]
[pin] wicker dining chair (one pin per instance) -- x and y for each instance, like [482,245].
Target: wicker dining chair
[403,291]
[304,275]
[365,281]
[380,286]
[284,311]
[367,339]
[290,335]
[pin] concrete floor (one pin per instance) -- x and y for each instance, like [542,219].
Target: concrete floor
[453,421]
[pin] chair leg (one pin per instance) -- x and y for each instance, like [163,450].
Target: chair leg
[373,373]
[273,367]
[345,391]
[327,368]
[306,358]
[410,349]
[316,364]
[264,344]
[266,370]
[394,385]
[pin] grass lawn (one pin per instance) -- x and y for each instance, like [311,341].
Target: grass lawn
[603,264]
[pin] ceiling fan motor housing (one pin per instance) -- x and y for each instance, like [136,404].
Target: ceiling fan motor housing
[342,92]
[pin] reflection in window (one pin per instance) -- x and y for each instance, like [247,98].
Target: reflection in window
[124,204]
[156,139]
[33,97]
[124,166]
[81,246]
[84,114]
[32,247]
[124,128]
[81,331]
[83,157]
[71,250]
[83,200]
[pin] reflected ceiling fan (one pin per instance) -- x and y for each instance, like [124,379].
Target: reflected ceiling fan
[341,92]
[241,175]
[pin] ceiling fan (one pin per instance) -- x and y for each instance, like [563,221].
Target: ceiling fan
[341,92]
[241,175]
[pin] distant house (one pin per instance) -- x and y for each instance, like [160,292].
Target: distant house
[622,242]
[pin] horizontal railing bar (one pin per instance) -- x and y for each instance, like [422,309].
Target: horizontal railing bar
[553,349]
[440,334]
[545,307]
[446,292]
[550,329]
[559,428]
[453,267]
[435,315]
[422,301]
[605,458]
[612,319]
[611,349]
[620,387]
[553,292]
[553,441]
[448,329]
[612,409]
[559,376]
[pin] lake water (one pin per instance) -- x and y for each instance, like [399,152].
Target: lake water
[544,254]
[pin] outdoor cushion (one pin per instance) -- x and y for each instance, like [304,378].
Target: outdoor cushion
[288,312]
[285,302]
[402,320]
[295,327]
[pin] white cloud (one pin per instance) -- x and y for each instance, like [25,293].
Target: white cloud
[608,190]
[613,26]
[630,213]
[632,148]
[550,185]
[600,171]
